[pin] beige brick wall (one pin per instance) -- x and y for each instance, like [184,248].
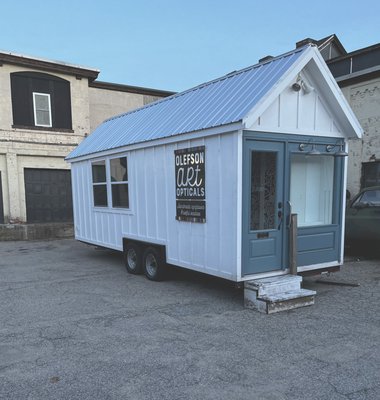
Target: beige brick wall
[30,148]
[33,148]
[106,103]
[364,99]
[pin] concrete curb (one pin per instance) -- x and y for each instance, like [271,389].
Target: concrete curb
[36,231]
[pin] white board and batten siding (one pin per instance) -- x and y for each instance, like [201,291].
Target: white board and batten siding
[210,247]
[298,113]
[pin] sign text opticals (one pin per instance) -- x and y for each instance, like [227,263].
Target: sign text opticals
[190,184]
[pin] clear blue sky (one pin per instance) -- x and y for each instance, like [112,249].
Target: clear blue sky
[174,45]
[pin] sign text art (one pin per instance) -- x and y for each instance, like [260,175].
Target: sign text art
[190,184]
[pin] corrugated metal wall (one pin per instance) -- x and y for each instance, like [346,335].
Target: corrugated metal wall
[210,247]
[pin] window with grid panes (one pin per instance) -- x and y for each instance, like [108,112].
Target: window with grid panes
[99,183]
[119,182]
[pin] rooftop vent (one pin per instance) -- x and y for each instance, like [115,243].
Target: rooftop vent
[266,58]
[306,41]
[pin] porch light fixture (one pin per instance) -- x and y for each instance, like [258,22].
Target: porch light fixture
[302,146]
[296,87]
[312,152]
[297,84]
[340,153]
[301,84]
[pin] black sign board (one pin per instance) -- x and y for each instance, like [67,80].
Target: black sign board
[190,184]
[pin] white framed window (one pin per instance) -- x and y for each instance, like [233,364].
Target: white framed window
[110,183]
[119,182]
[42,109]
[99,183]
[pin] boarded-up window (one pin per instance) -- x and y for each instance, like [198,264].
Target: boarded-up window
[370,174]
[52,108]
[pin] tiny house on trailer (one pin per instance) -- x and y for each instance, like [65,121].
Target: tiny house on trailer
[207,179]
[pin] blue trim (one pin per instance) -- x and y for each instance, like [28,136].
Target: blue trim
[316,244]
[262,254]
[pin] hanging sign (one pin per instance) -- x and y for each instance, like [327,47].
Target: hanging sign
[190,184]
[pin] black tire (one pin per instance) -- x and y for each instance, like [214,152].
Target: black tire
[154,265]
[133,258]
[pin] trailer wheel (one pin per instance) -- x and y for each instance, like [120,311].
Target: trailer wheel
[133,258]
[154,266]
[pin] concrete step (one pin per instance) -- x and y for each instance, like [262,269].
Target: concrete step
[275,284]
[289,300]
[271,295]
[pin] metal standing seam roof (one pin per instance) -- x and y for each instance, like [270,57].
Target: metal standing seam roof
[219,102]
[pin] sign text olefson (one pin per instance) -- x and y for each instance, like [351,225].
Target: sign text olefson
[190,184]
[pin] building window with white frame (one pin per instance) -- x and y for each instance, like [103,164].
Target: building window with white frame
[42,109]
[119,182]
[99,183]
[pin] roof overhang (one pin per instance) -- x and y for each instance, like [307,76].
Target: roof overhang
[48,65]
[359,76]
[181,137]
[130,89]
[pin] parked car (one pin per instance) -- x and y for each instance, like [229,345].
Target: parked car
[363,218]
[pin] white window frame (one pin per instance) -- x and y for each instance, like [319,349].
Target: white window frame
[119,183]
[35,110]
[104,183]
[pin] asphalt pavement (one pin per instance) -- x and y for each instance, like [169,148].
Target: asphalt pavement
[75,325]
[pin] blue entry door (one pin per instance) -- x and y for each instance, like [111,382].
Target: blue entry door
[264,222]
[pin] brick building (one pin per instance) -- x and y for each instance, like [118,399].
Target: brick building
[46,109]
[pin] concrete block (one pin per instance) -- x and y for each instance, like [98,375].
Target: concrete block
[271,295]
[36,231]
[252,302]
[289,304]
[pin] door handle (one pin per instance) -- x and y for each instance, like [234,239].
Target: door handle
[290,213]
[279,214]
[279,219]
